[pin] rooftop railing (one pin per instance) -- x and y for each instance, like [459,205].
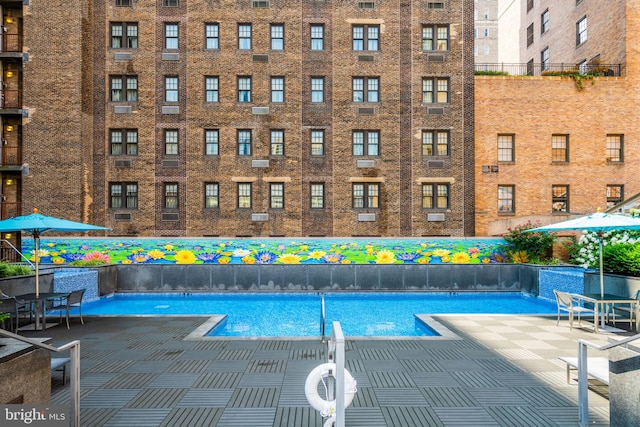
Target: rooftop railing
[529,69]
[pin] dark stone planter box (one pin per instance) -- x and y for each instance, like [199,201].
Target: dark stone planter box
[17,285]
[613,284]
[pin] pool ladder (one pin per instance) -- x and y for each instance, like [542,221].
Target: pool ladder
[322,318]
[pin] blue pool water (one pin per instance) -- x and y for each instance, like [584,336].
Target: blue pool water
[299,314]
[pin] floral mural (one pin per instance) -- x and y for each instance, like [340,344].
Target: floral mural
[268,251]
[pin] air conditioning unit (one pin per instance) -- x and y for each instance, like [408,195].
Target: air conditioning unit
[259,217]
[170,109]
[122,109]
[260,58]
[435,5]
[171,163]
[365,58]
[260,111]
[366,5]
[435,164]
[435,110]
[260,163]
[435,58]
[365,164]
[122,216]
[435,217]
[366,110]
[366,217]
[260,4]
[170,216]
[173,56]
[122,56]
[122,163]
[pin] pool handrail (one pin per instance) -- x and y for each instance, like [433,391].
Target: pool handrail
[322,318]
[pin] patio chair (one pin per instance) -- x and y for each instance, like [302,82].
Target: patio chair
[73,300]
[633,310]
[567,303]
[15,309]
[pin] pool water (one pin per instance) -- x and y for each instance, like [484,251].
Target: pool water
[299,314]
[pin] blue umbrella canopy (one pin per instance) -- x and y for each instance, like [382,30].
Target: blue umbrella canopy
[36,224]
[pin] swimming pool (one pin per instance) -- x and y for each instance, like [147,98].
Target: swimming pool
[375,314]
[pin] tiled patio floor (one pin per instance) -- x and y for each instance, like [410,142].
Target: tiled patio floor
[501,371]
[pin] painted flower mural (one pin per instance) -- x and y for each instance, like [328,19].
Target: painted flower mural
[271,251]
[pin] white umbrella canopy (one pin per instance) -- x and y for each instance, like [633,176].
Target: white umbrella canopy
[36,224]
[597,222]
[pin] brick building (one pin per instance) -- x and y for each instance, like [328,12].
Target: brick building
[243,118]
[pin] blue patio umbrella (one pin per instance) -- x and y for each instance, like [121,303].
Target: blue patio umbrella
[599,223]
[36,224]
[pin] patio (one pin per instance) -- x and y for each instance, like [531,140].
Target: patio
[504,370]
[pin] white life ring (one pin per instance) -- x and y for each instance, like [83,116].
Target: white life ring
[319,374]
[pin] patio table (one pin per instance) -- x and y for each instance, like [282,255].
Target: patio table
[600,303]
[39,301]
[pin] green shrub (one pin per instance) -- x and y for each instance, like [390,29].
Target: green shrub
[622,259]
[9,270]
[490,73]
[538,246]
[87,262]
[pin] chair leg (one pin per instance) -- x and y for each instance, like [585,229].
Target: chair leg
[80,310]
[67,308]
[571,320]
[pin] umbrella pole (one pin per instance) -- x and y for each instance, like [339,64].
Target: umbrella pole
[35,238]
[602,322]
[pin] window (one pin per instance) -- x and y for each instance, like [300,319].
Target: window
[124,35]
[435,142]
[171,195]
[435,196]
[171,3]
[583,66]
[277,89]
[244,195]
[170,36]
[211,89]
[544,22]
[615,195]
[366,195]
[529,5]
[317,37]
[124,195]
[211,142]
[544,59]
[244,142]
[244,36]
[366,89]
[277,37]
[366,142]
[124,141]
[486,32]
[560,198]
[171,142]
[124,88]
[277,143]
[212,36]
[366,37]
[530,67]
[317,142]
[505,148]
[560,148]
[581,31]
[317,89]
[506,198]
[276,195]
[435,37]
[171,89]
[123,2]
[435,90]
[317,195]
[211,195]
[530,35]
[614,148]
[244,89]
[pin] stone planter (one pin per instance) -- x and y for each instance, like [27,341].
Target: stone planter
[17,285]
[613,284]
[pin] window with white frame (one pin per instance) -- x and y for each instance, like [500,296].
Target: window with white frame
[212,89]
[244,142]
[366,195]
[124,88]
[212,36]
[244,195]
[277,142]
[277,89]
[366,89]
[366,142]
[435,195]
[211,195]
[244,36]
[123,195]
[506,198]
[366,37]
[506,147]
[317,37]
[211,142]
[435,37]
[276,195]
[544,59]
[171,89]
[435,90]
[317,195]
[171,195]
[277,36]
[544,22]
[615,144]
[560,148]
[124,35]
[435,142]
[581,31]
[244,89]
[317,142]
[124,142]
[171,36]
[171,142]
[317,89]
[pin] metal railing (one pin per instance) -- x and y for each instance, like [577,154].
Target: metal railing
[335,355]
[322,318]
[12,254]
[74,353]
[539,69]
[583,380]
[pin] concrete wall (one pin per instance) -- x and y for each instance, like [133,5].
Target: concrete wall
[613,284]
[624,386]
[25,377]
